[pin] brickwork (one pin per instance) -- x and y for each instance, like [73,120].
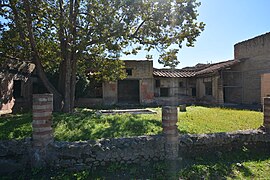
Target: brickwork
[42,120]
[169,120]
[266,112]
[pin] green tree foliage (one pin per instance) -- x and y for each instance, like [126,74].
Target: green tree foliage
[169,58]
[77,37]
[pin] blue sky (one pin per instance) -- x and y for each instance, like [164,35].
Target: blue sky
[227,22]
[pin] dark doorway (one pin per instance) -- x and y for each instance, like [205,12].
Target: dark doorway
[232,95]
[128,91]
[193,91]
[17,89]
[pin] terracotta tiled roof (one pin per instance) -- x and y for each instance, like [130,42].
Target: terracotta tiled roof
[194,71]
[217,66]
[178,73]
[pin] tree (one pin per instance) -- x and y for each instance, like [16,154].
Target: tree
[69,37]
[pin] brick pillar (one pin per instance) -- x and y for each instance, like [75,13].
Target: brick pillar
[266,112]
[169,120]
[42,120]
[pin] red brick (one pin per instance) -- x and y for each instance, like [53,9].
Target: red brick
[47,124]
[42,118]
[43,133]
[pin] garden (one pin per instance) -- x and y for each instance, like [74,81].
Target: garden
[87,124]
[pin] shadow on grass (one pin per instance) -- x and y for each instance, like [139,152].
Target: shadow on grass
[16,126]
[90,125]
[241,163]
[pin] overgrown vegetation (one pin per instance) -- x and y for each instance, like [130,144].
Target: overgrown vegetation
[88,124]
[15,126]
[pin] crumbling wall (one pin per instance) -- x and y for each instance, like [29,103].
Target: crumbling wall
[255,61]
[265,86]
[6,96]
[217,90]
[252,47]
[88,154]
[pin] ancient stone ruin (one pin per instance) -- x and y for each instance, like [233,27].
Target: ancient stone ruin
[43,151]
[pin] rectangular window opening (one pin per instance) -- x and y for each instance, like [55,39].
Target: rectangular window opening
[208,88]
[193,91]
[157,83]
[129,72]
[181,84]
[164,92]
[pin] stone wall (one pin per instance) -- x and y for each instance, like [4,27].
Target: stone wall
[217,90]
[6,96]
[146,91]
[14,155]
[142,70]
[161,101]
[88,102]
[9,103]
[42,151]
[253,47]
[103,152]
[88,154]
[190,144]
[177,95]
[109,93]
[255,61]
[252,70]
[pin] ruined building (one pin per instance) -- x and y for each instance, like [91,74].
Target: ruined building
[244,80]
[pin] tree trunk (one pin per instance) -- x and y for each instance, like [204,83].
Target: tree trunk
[68,50]
[67,90]
[73,80]
[40,70]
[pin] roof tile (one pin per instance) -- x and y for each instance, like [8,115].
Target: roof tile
[194,71]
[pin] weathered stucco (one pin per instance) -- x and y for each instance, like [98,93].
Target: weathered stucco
[142,70]
[259,45]
[265,86]
[217,89]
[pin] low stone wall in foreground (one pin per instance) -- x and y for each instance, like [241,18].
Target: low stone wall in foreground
[16,155]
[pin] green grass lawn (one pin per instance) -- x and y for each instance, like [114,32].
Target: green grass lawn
[87,124]
[199,120]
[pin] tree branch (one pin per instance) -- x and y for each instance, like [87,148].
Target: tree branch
[138,28]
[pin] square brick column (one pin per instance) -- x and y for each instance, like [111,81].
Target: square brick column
[266,113]
[42,120]
[169,120]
